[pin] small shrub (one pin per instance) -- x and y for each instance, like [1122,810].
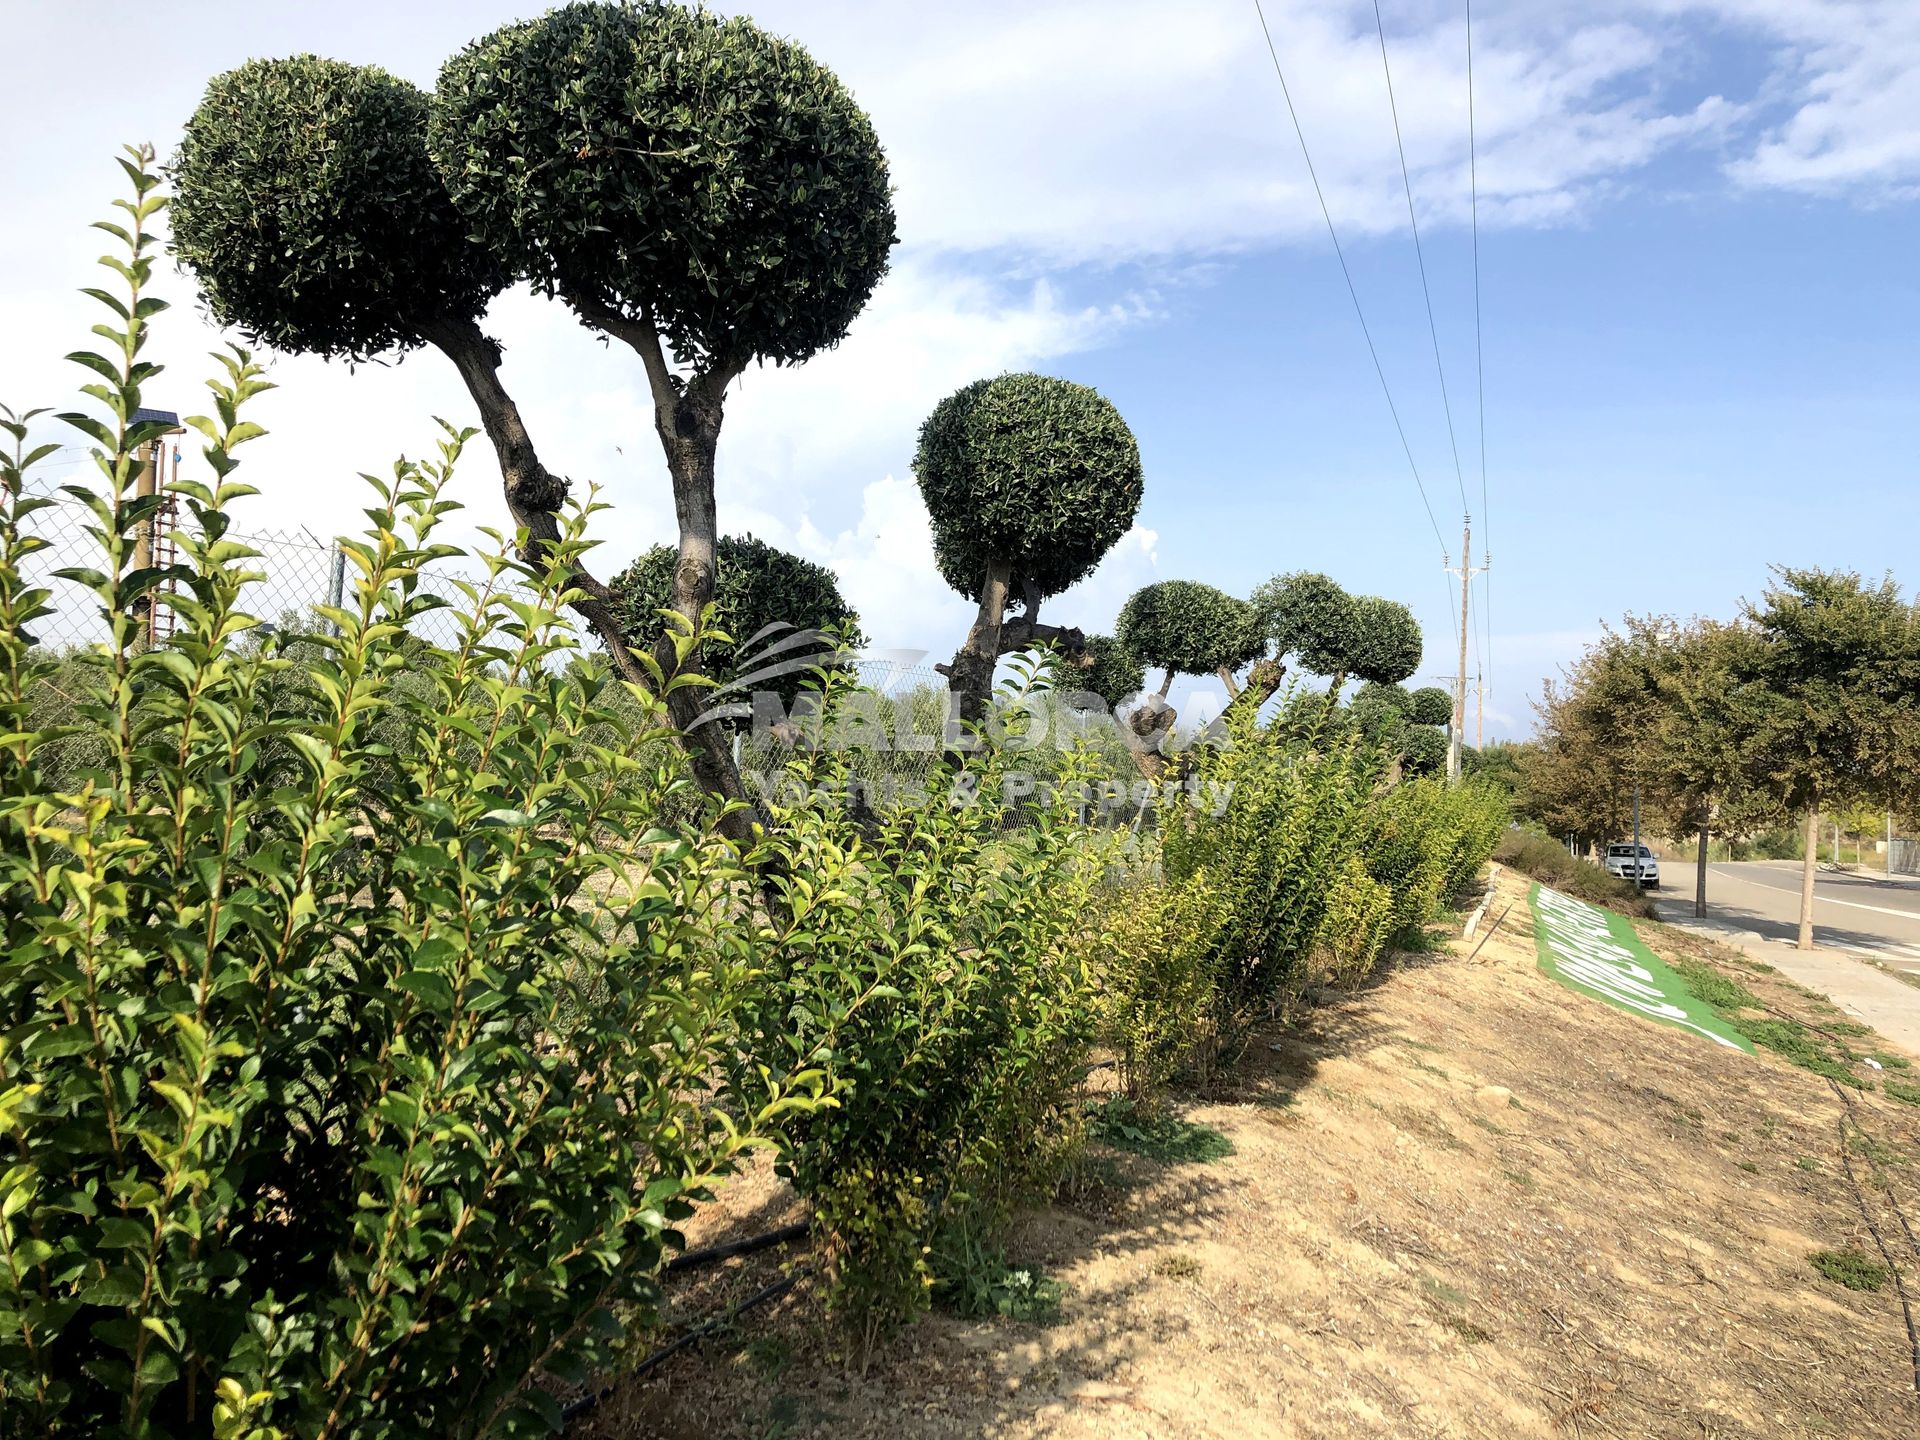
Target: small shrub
[1545,859]
[311,1134]
[931,962]
[1154,956]
[1904,1091]
[1850,1268]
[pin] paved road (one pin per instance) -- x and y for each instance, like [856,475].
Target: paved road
[1859,913]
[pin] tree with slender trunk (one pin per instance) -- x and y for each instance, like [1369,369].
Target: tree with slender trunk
[1029,481]
[308,211]
[1182,627]
[1837,677]
[1332,633]
[1703,736]
[694,187]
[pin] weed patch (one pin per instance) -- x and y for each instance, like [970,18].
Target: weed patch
[1711,986]
[1793,1042]
[1161,1136]
[1905,1091]
[976,1282]
[1850,1268]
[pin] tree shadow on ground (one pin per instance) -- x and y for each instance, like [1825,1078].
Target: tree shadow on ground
[785,1371]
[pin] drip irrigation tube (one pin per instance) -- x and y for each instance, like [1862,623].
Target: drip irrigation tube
[1860,1198]
[714,1254]
[710,1326]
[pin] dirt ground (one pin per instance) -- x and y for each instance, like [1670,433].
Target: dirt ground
[1463,1201]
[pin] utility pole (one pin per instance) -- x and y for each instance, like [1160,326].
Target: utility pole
[1638,885]
[1466,570]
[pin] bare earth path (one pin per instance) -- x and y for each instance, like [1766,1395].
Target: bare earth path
[1463,1202]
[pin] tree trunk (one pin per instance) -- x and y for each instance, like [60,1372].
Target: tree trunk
[1700,873]
[1166,682]
[691,444]
[1807,868]
[1148,724]
[1226,679]
[534,498]
[970,676]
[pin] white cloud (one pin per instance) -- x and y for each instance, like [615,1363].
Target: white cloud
[1852,72]
[1083,130]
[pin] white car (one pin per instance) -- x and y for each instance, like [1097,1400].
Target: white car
[1620,864]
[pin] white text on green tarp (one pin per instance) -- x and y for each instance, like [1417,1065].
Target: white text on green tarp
[1597,951]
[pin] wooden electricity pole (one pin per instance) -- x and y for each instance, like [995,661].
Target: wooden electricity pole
[1466,570]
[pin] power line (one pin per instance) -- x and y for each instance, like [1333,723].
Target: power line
[1352,292]
[1479,360]
[1420,255]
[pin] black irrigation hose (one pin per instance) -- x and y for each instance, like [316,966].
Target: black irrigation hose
[710,1326]
[1860,1198]
[714,1254]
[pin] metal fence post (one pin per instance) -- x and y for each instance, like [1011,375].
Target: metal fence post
[337,583]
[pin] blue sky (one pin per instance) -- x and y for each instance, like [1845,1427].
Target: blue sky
[1698,227]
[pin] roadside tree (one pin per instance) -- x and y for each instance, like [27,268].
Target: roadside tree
[1837,699]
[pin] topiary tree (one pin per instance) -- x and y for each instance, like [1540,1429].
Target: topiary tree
[308,210]
[310,214]
[1430,705]
[1029,481]
[1331,633]
[755,585]
[1386,645]
[1186,628]
[691,185]
[1423,751]
[1107,668]
[1396,698]
[1306,615]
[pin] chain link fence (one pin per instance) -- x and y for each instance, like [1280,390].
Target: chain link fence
[298,572]
[1903,857]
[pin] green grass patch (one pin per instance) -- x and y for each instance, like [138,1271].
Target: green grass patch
[1789,1039]
[1711,986]
[1850,1268]
[1158,1135]
[1796,1044]
[1876,1153]
[1892,1062]
[1441,1290]
[1905,1091]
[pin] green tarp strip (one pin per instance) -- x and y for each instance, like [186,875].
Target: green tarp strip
[1596,952]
